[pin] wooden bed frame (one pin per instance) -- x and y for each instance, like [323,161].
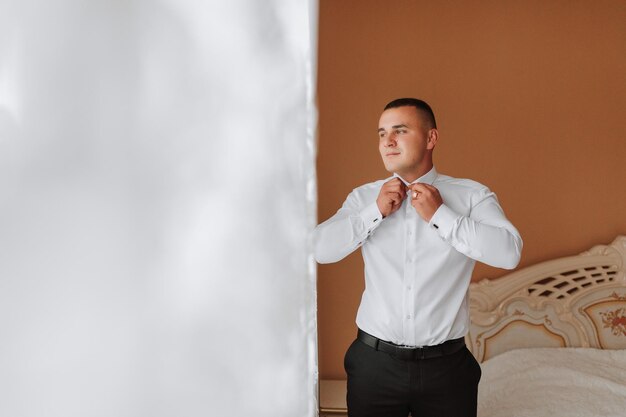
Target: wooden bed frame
[575,301]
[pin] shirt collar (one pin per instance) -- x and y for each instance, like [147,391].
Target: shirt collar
[427,178]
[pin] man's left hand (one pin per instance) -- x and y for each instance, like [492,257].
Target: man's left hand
[425,199]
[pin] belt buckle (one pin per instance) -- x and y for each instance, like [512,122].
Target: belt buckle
[403,352]
[420,352]
[415,352]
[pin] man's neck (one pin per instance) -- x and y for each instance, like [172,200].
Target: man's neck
[421,171]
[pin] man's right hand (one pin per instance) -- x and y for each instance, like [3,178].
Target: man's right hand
[391,196]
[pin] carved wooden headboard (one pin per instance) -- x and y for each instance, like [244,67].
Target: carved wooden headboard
[575,301]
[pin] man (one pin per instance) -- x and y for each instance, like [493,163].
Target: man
[420,234]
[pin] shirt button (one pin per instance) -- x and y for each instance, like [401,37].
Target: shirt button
[410,233]
[408,316]
[408,287]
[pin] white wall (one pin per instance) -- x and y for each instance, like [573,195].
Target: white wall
[157,194]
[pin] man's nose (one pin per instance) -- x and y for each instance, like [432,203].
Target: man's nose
[390,140]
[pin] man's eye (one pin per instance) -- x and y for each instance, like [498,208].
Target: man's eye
[382,135]
[401,131]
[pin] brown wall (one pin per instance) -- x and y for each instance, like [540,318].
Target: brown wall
[530,99]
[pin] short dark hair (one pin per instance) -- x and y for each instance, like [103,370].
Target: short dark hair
[420,105]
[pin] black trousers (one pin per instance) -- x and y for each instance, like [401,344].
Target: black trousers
[381,385]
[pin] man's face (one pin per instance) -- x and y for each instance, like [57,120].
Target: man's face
[403,140]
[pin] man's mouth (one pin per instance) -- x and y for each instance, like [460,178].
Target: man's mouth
[392,154]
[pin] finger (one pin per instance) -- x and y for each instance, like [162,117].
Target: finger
[420,191]
[396,185]
[418,186]
[415,194]
[394,191]
[395,195]
[400,189]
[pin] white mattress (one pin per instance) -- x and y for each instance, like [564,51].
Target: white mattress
[554,382]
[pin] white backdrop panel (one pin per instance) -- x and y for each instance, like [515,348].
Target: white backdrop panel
[157,194]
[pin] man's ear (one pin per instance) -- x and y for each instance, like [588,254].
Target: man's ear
[433,136]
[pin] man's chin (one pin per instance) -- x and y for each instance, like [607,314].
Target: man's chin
[391,168]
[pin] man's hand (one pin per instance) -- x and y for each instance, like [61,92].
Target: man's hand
[391,196]
[425,199]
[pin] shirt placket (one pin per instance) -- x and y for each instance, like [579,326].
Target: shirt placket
[408,290]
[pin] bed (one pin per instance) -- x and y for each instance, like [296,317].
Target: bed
[551,339]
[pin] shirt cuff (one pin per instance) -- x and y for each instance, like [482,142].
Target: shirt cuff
[443,220]
[371,216]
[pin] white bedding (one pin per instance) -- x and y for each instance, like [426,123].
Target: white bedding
[554,382]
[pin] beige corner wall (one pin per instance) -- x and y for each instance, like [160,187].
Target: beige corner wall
[530,99]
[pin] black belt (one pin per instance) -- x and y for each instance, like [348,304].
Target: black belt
[411,353]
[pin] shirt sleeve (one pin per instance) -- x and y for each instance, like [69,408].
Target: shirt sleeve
[486,235]
[344,232]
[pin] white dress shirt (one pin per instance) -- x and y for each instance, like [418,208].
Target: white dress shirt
[417,273]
